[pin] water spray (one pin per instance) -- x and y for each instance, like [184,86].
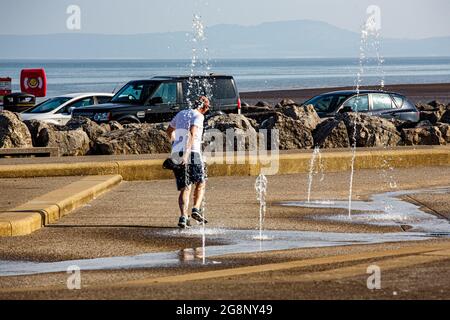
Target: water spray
[261,191]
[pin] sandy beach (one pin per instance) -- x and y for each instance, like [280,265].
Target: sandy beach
[415,92]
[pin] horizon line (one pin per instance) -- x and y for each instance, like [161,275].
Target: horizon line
[223,59]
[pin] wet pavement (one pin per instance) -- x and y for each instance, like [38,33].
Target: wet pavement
[131,233]
[387,209]
[237,242]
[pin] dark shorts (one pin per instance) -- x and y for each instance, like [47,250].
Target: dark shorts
[194,172]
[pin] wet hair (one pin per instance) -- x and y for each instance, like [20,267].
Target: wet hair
[198,104]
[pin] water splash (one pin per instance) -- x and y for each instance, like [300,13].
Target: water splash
[387,209]
[388,172]
[314,169]
[374,34]
[197,86]
[359,77]
[203,223]
[200,67]
[370,41]
[261,191]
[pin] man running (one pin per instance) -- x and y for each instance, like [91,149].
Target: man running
[186,134]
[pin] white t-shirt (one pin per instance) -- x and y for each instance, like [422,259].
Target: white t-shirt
[182,123]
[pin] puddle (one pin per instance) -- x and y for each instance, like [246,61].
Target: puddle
[385,209]
[238,242]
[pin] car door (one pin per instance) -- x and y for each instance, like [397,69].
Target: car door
[163,104]
[102,99]
[404,110]
[359,103]
[64,113]
[224,95]
[382,105]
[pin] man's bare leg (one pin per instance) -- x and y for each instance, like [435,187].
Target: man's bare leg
[199,193]
[183,201]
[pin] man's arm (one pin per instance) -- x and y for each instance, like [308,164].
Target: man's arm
[192,133]
[170,132]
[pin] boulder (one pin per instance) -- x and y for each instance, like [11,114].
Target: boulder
[35,127]
[71,139]
[92,129]
[444,128]
[431,116]
[424,124]
[445,117]
[160,126]
[401,124]
[13,132]
[422,136]
[106,127]
[433,112]
[331,133]
[260,117]
[305,114]
[143,139]
[263,104]
[255,109]
[370,131]
[70,142]
[292,134]
[424,107]
[285,103]
[223,122]
[436,105]
[114,125]
[242,127]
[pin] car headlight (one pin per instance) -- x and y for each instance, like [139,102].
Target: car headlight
[102,116]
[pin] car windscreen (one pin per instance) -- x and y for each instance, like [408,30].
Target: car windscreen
[49,105]
[214,88]
[327,103]
[135,92]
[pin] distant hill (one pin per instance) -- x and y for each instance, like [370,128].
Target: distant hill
[287,39]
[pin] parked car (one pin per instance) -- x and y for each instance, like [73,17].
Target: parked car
[388,105]
[159,99]
[58,110]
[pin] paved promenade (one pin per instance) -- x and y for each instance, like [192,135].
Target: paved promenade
[140,217]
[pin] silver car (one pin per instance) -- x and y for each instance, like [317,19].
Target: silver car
[58,110]
[384,104]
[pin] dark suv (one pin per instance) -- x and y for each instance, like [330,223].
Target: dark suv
[161,98]
[384,104]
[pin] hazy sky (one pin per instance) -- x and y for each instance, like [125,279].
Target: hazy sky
[400,18]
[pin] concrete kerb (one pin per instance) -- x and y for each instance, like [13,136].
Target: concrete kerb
[58,169]
[377,159]
[50,207]
[287,163]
